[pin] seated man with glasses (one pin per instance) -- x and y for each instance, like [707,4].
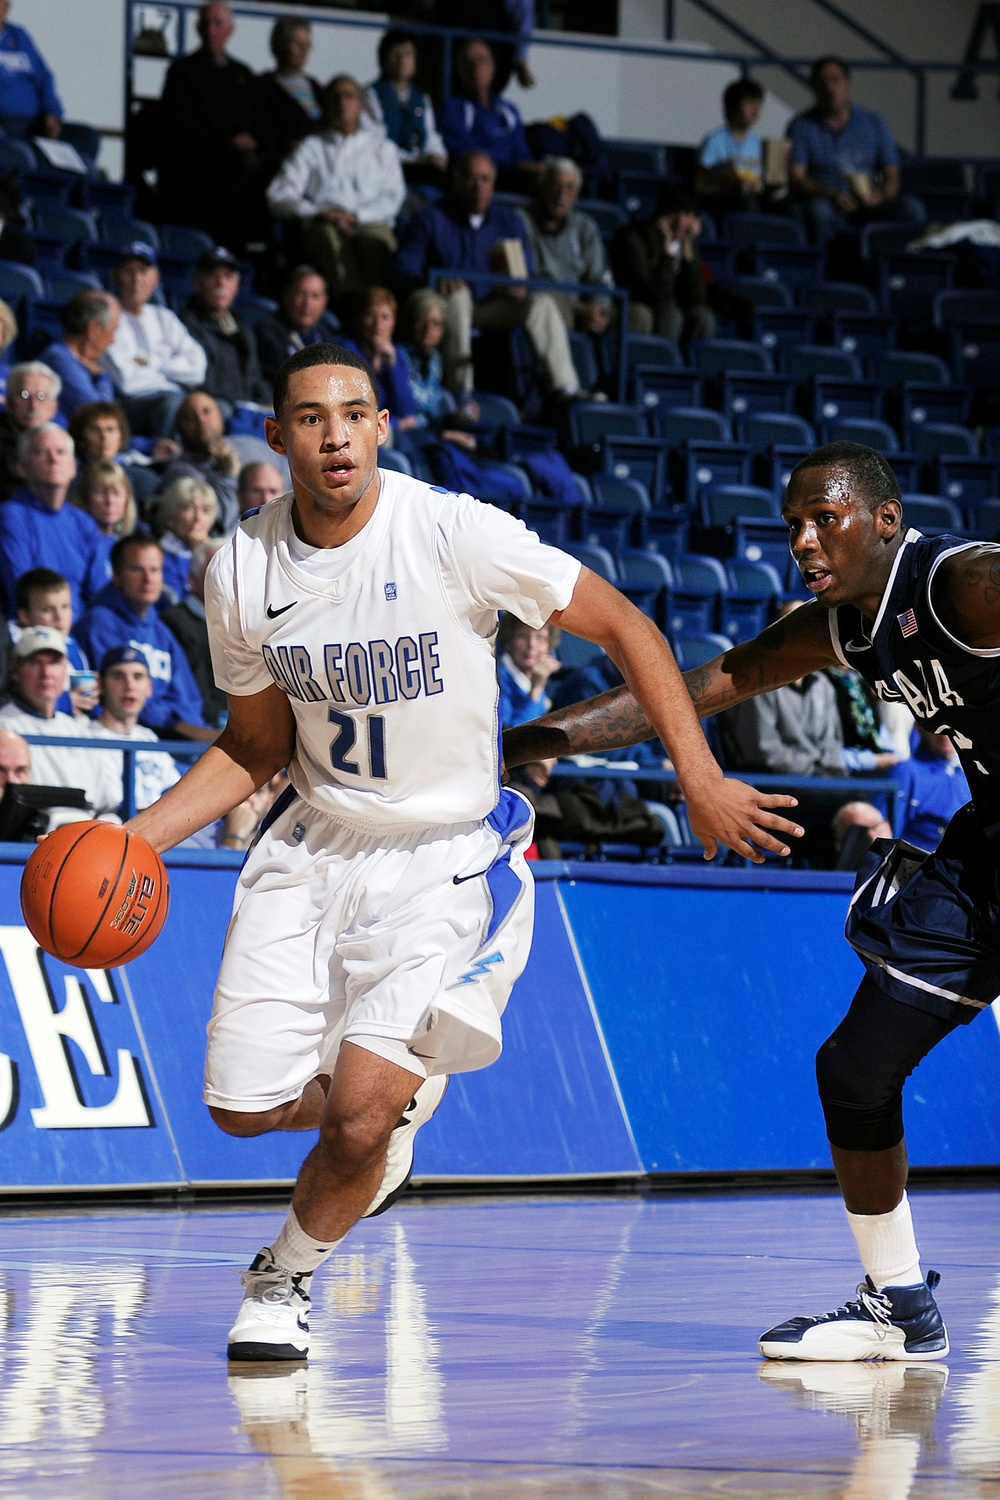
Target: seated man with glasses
[32,400]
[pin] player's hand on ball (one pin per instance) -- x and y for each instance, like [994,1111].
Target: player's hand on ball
[732,813]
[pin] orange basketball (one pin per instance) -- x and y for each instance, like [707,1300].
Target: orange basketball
[94,895]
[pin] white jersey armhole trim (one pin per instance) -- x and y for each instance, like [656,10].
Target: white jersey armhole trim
[986,651]
[911,536]
[831,615]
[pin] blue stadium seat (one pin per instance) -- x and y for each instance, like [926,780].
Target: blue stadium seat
[695,648]
[991,442]
[716,356]
[633,156]
[966,305]
[69,225]
[913,403]
[741,393]
[749,515]
[778,329]
[392,458]
[657,387]
[867,430]
[16,157]
[638,192]
[641,458]
[810,360]
[720,258]
[941,185]
[20,281]
[495,411]
[597,559]
[609,217]
[903,364]
[680,424]
[590,422]
[967,480]
[975,355]
[573,651]
[836,396]
[759,291]
[932,516]
[884,237]
[649,349]
[549,520]
[795,266]
[61,285]
[581,349]
[112,200]
[774,468]
[868,335]
[766,429]
[699,583]
[984,520]
[253,309]
[617,518]
[180,242]
[668,533]
[647,579]
[754,591]
[762,229]
[120,232]
[724,503]
[941,439]
[698,466]
[907,468]
[83,138]
[909,285]
[837,296]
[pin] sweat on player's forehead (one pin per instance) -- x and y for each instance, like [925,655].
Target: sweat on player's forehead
[826,484]
[326,386]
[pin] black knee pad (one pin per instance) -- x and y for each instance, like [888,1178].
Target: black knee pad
[859,1077]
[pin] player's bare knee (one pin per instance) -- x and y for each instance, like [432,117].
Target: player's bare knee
[354,1139]
[239,1123]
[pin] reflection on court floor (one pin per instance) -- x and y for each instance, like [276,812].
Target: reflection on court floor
[570,1348]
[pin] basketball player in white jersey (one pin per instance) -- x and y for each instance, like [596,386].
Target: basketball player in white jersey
[385,909]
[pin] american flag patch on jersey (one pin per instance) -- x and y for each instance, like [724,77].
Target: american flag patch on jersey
[908,622]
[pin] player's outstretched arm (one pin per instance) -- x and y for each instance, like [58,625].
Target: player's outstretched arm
[720,810]
[258,740]
[787,650]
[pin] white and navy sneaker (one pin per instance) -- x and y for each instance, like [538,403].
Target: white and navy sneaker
[273,1320]
[399,1157]
[899,1322]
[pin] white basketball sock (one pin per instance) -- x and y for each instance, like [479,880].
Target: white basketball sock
[296,1251]
[887,1246]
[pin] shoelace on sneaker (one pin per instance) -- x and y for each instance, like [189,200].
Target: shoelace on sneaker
[875,1304]
[273,1285]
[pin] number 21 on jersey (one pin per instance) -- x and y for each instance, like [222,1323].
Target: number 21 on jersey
[347,734]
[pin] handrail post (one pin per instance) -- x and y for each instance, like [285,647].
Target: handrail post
[920,133]
[623,345]
[670,20]
[128,783]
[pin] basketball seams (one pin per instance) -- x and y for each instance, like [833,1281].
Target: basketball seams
[58,876]
[71,958]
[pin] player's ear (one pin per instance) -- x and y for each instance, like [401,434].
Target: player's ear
[272,431]
[383,426]
[888,518]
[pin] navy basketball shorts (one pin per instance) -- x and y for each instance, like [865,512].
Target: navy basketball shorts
[927,926]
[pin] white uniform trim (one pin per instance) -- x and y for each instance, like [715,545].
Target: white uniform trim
[911,536]
[962,646]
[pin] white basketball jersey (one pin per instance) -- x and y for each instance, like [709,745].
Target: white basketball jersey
[389,661]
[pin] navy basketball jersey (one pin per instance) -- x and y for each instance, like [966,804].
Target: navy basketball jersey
[908,656]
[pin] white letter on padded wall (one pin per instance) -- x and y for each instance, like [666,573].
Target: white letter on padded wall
[45,1029]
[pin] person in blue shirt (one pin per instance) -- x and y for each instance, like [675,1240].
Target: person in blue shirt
[90,321]
[405,113]
[477,119]
[29,104]
[932,787]
[38,529]
[42,597]
[843,161]
[525,665]
[124,614]
[729,173]
[462,234]
[372,327]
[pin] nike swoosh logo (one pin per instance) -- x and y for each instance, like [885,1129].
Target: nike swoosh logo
[459,879]
[858,646]
[272,614]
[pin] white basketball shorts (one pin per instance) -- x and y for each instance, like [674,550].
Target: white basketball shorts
[409,938]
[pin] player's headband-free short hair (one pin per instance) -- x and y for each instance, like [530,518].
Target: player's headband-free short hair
[869,473]
[320,354]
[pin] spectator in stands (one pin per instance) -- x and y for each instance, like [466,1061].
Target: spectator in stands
[844,165]
[153,359]
[42,597]
[794,729]
[209,153]
[730,160]
[855,827]
[289,101]
[868,746]
[565,243]
[104,491]
[932,787]
[345,187]
[238,829]
[124,614]
[206,454]
[185,516]
[101,434]
[476,118]
[29,104]
[372,328]
[403,111]
[525,666]
[126,687]
[90,322]
[38,680]
[15,759]
[32,401]
[38,528]
[8,326]
[17,243]
[298,323]
[462,234]
[657,261]
[436,407]
[233,372]
[186,621]
[258,484]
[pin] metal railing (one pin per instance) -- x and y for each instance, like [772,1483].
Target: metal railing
[762,55]
[129,750]
[595,289]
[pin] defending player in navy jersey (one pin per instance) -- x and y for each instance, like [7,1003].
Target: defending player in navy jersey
[385,909]
[919,619]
